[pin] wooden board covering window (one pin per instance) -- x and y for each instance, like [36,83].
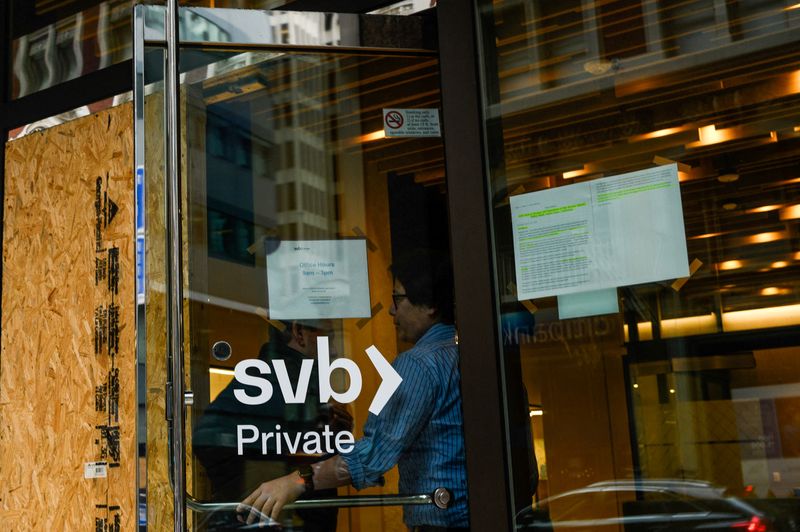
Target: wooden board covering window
[50,369]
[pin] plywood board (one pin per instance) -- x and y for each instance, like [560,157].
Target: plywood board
[67,366]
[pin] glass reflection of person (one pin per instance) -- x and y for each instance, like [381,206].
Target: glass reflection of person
[419,429]
[214,439]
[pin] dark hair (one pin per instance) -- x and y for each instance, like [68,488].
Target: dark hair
[427,277]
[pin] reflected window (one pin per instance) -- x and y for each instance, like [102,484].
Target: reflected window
[686,378]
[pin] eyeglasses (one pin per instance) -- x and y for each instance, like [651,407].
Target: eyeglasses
[396,298]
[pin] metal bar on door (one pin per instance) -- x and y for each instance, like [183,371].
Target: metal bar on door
[440,498]
[175,388]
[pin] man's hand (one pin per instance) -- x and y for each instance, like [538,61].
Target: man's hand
[270,497]
[338,417]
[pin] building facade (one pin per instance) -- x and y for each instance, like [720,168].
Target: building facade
[616,185]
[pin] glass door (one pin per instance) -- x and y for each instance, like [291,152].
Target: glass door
[317,303]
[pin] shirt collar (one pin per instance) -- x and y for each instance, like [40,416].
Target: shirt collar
[437,333]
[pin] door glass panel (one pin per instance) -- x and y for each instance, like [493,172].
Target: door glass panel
[296,205]
[627,138]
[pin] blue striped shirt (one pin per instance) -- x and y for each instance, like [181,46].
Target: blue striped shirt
[420,430]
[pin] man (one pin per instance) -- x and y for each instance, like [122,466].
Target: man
[214,440]
[420,428]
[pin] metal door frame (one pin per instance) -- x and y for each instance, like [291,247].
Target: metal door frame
[481,367]
[149,33]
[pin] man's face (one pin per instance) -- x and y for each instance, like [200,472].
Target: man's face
[411,321]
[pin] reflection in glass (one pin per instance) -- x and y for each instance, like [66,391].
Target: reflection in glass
[71,47]
[285,148]
[694,382]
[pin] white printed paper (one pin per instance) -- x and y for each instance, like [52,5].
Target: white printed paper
[593,303]
[95,470]
[617,231]
[316,279]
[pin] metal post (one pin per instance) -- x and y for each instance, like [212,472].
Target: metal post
[175,260]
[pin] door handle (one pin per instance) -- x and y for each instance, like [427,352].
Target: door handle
[440,498]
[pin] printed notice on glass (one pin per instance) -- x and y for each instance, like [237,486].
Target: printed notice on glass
[411,123]
[610,232]
[316,279]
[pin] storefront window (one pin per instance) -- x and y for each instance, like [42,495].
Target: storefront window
[645,203]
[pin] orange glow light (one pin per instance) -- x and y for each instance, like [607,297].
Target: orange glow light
[792,212]
[375,135]
[764,208]
[707,235]
[730,265]
[712,135]
[763,238]
[774,291]
[658,133]
[796,6]
[779,264]
[576,173]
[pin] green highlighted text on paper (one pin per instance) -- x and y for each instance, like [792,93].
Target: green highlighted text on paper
[616,231]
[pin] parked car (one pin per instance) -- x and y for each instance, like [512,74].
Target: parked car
[645,505]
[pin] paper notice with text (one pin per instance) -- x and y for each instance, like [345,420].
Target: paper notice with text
[317,279]
[616,231]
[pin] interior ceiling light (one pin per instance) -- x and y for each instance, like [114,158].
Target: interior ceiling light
[729,206]
[764,208]
[728,177]
[779,264]
[707,235]
[712,135]
[791,212]
[587,169]
[774,291]
[730,265]
[658,133]
[796,256]
[375,135]
[763,238]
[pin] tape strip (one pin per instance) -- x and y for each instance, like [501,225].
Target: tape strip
[374,312]
[693,267]
[370,244]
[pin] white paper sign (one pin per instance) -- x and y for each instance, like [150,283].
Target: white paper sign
[617,231]
[95,470]
[582,304]
[411,123]
[316,279]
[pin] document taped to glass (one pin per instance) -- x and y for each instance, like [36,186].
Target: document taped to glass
[411,123]
[318,279]
[615,231]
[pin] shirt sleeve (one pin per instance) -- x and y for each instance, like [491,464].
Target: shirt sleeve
[389,434]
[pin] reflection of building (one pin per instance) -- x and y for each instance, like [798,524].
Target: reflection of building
[76,45]
[286,157]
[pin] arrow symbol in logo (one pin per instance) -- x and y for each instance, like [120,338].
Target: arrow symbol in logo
[391,380]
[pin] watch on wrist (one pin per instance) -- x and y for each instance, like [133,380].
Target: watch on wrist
[307,474]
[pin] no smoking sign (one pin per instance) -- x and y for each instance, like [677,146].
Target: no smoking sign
[411,123]
[394,120]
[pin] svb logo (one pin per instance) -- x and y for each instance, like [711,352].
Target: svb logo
[390,379]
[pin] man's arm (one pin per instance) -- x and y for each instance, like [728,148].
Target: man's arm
[386,437]
[270,497]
